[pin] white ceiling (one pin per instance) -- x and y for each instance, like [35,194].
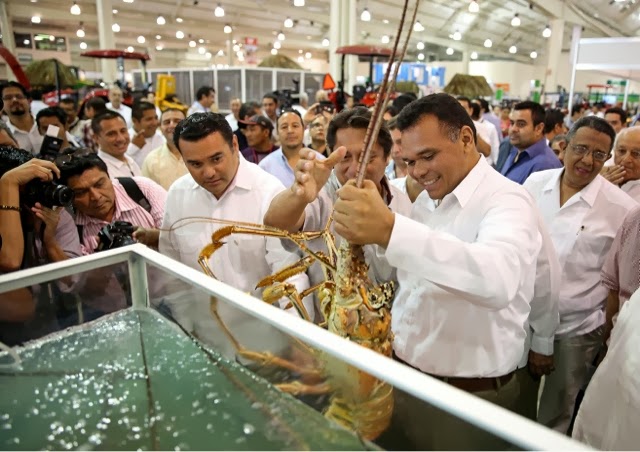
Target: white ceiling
[263,19]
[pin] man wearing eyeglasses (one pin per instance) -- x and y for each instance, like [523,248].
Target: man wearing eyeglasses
[583,213]
[21,123]
[625,172]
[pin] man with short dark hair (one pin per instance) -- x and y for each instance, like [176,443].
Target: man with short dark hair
[92,108]
[270,108]
[474,224]
[577,111]
[553,124]
[111,133]
[489,116]
[145,136]
[205,98]
[583,213]
[21,123]
[74,124]
[617,118]
[225,186]
[258,131]
[247,110]
[164,165]
[529,150]
[487,143]
[55,116]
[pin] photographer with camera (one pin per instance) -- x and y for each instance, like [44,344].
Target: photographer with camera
[35,230]
[100,201]
[53,116]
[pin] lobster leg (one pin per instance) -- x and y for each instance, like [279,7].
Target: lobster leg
[296,388]
[262,358]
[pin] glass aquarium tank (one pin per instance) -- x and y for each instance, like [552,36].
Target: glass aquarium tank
[127,349]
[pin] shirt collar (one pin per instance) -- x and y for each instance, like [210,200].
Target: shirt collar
[467,187]
[588,193]
[14,129]
[114,161]
[536,148]
[243,178]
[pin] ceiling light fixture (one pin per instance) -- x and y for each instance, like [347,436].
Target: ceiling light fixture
[274,51]
[161,20]
[457,36]
[474,55]
[179,34]
[201,50]
[141,39]
[208,55]
[75,9]
[114,11]
[298,2]
[158,37]
[325,42]
[420,46]
[300,59]
[385,39]
[83,45]
[513,49]
[228,29]
[179,20]
[115,28]
[280,36]
[488,43]
[534,55]
[418,26]
[219,11]
[421,56]
[546,32]
[159,47]
[307,55]
[515,22]
[128,1]
[80,33]
[288,23]
[277,45]
[449,51]
[365,16]
[130,49]
[474,7]
[35,20]
[192,44]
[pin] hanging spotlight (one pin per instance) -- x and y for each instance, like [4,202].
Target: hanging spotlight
[534,55]
[201,41]
[418,26]
[130,49]
[35,20]
[179,20]
[220,53]
[421,56]
[457,36]
[277,45]
[159,47]
[298,2]
[83,45]
[513,49]
[75,9]
[80,33]
[488,43]
[281,36]
[114,11]
[192,44]
[208,55]
[546,32]
[158,37]
[307,55]
[179,34]
[325,42]
[300,59]
[365,16]
[385,39]
[274,51]
[474,7]
[449,51]
[515,22]
[420,46]
[115,28]
[201,50]
[288,23]
[474,55]
[228,29]
[161,20]
[128,1]
[236,48]
[219,11]
[141,39]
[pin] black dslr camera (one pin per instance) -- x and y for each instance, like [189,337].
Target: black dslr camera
[49,194]
[115,235]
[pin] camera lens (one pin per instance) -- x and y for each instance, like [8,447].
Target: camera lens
[58,195]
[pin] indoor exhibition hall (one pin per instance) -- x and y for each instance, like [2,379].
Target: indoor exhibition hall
[319,224]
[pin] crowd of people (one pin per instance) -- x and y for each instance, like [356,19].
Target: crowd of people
[512,237]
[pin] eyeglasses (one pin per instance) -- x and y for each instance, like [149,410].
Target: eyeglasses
[10,97]
[582,150]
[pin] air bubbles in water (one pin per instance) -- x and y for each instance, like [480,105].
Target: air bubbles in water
[248,429]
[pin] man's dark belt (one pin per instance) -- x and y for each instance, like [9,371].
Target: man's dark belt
[468,384]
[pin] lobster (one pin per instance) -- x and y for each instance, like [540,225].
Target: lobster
[353,307]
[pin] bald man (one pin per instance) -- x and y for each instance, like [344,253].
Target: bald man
[233,117]
[116,97]
[625,172]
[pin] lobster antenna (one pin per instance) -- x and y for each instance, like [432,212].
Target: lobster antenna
[386,86]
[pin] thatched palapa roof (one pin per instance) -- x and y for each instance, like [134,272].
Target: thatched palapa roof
[468,85]
[279,61]
[42,74]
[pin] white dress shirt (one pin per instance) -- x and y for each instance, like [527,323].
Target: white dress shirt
[608,416]
[233,122]
[465,272]
[139,154]
[632,188]
[29,141]
[400,183]
[124,111]
[487,132]
[582,231]
[197,107]
[119,168]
